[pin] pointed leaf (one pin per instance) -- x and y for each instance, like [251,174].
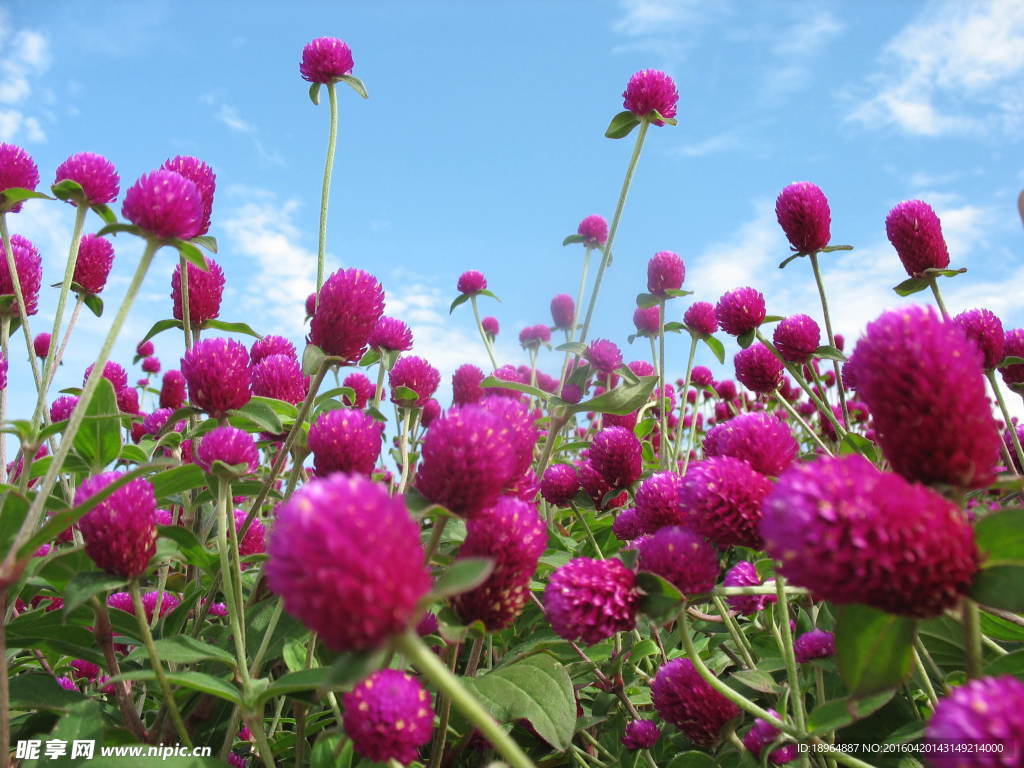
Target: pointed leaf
[98,440]
[116,229]
[746,339]
[256,416]
[184,649]
[574,238]
[676,293]
[647,300]
[14,195]
[312,358]
[911,285]
[461,299]
[1001,586]
[830,353]
[314,93]
[661,598]
[622,125]
[94,303]
[577,348]
[492,381]
[205,241]
[837,714]
[355,84]
[220,325]
[105,213]
[624,399]
[197,681]
[68,189]
[874,649]
[462,575]
[86,584]
[188,545]
[160,326]
[176,480]
[715,345]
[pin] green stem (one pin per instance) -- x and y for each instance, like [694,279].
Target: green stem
[255,724]
[79,301]
[799,717]
[325,192]
[665,443]
[444,706]
[186,308]
[576,313]
[682,399]
[648,758]
[275,617]
[734,631]
[5,681]
[825,410]
[971,618]
[20,300]
[993,382]
[378,391]
[403,443]
[933,283]
[5,333]
[229,582]
[800,420]
[434,670]
[435,537]
[831,336]
[926,680]
[122,691]
[590,534]
[483,333]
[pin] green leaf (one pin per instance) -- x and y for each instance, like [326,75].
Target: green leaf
[661,598]
[911,285]
[81,721]
[1001,586]
[746,339]
[14,195]
[874,649]
[220,325]
[177,480]
[715,345]
[622,125]
[190,547]
[314,93]
[312,358]
[259,414]
[196,681]
[674,327]
[624,399]
[489,293]
[675,293]
[116,229]
[192,254]
[757,680]
[784,262]
[833,715]
[84,585]
[94,303]
[492,381]
[999,628]
[538,689]
[355,84]
[647,300]
[771,319]
[1010,664]
[184,649]
[98,440]
[830,353]
[346,669]
[944,272]
[160,326]
[574,238]
[832,248]
[461,299]
[1010,360]
[68,189]
[405,394]
[656,117]
[693,759]
[34,692]
[105,213]
[576,347]
[1000,538]
[462,575]
[854,443]
[205,241]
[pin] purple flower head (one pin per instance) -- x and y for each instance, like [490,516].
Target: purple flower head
[665,272]
[345,440]
[279,377]
[740,311]
[127,400]
[626,526]
[151,365]
[112,372]
[803,213]
[616,454]
[726,389]
[310,305]
[559,484]
[165,204]
[200,174]
[563,312]
[796,338]
[651,89]
[29,269]
[172,390]
[594,230]
[591,600]
[41,344]
[255,540]
[682,697]
[388,716]
[1013,346]
[61,408]
[95,258]
[816,644]
[362,387]
[532,336]
[518,429]
[647,321]
[722,497]
[760,439]
[604,355]
[427,625]
[853,534]
[119,532]
[229,445]
[325,60]
[658,501]
[985,329]
[916,233]
[145,348]
[921,378]
[490,326]
[701,318]
[987,715]
[391,334]
[346,558]
[154,422]
[744,574]
[270,345]
[351,303]
[416,374]
[431,410]
[758,369]
[761,735]
[17,171]
[217,373]
[466,384]
[94,173]
[681,557]
[472,282]
[640,734]
[205,289]
[702,376]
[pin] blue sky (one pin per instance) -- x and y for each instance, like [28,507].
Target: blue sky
[482,146]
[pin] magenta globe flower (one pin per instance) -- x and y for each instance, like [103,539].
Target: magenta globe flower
[94,174]
[640,734]
[416,374]
[165,204]
[616,455]
[205,289]
[563,312]
[701,318]
[681,557]
[255,540]
[658,502]
[740,311]
[744,574]
[280,377]
[649,90]
[758,369]
[346,558]
[95,258]
[112,372]
[172,390]
[325,60]
[591,600]
[270,345]
[533,336]
[391,335]
[466,385]
[472,282]
[60,409]
[647,321]
[351,303]
[17,171]
[978,725]
[761,736]
[229,445]
[594,230]
[816,644]
[490,326]
[985,329]
[722,497]
[803,213]
[41,344]
[916,233]
[665,272]
[345,440]
[29,269]
[682,697]
[200,174]
[388,716]
[796,338]
[217,373]
[604,356]
[119,532]
[145,348]
[362,388]
[559,484]
[760,439]
[1013,346]
[151,365]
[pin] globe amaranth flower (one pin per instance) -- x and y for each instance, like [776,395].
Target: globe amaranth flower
[758,369]
[701,376]
[532,336]
[604,356]
[665,272]
[119,532]
[647,321]
[658,502]
[351,303]
[519,429]
[431,410]
[1013,346]
[145,348]
[987,715]
[490,326]
[165,204]
[627,526]
[597,488]
[127,400]
[916,233]
[648,90]
[324,60]
[616,454]
[701,318]
[94,174]
[270,345]
[416,374]
[255,540]
[172,390]
[682,697]
[217,373]
[744,574]
[200,174]
[391,335]
[640,734]
[112,372]
[681,557]
[155,422]
[229,445]
[345,440]
[466,384]
[279,377]
[760,439]
[362,388]
[61,408]
[151,365]
[985,329]
[740,311]
[388,716]
[205,289]
[514,536]
[559,484]
[816,644]
[29,270]
[591,600]
[722,497]
[594,230]
[17,171]
[762,735]
[563,312]
[346,558]
[853,534]
[41,344]
[803,213]
[921,378]
[472,282]
[796,338]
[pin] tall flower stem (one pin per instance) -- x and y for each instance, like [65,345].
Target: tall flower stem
[186,313]
[427,662]
[831,336]
[800,420]
[403,443]
[933,283]
[79,301]
[325,191]
[580,293]
[230,579]
[20,299]
[5,332]
[683,393]
[378,391]
[483,333]
[971,618]
[154,659]
[5,683]
[122,691]
[994,383]
[796,696]
[590,534]
[606,252]
[734,630]
[662,378]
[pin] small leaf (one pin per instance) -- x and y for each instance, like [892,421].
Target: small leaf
[911,285]
[647,300]
[98,440]
[33,692]
[1010,664]
[461,299]
[576,347]
[346,669]
[1000,538]
[574,238]
[784,262]
[492,381]
[874,649]
[693,759]
[259,414]
[160,326]
[84,585]
[195,554]
[771,318]
[674,327]
[312,359]
[356,84]
[854,443]
[197,681]
[1010,360]
[622,125]
[831,248]
[220,325]
[661,598]
[176,480]
[830,353]
[104,212]
[675,293]
[192,254]
[624,399]
[68,189]
[1001,586]
[746,339]
[489,293]
[944,272]
[462,575]
[656,117]
[757,680]
[94,303]
[14,195]
[715,345]
[314,93]
[116,229]
[184,649]
[839,713]
[205,241]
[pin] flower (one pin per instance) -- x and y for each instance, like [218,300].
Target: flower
[172,390]
[346,558]
[270,345]
[310,305]
[616,454]
[532,336]
[740,311]
[229,445]
[472,282]
[431,410]
[985,329]
[144,348]
[559,484]
[647,321]
[761,735]
[760,439]
[701,318]
[916,233]
[640,734]
[921,378]
[563,312]
[17,171]
[1013,347]
[591,600]
[665,272]
[744,574]
[29,269]
[388,716]
[983,720]
[682,697]
[61,408]
[816,644]
[351,303]
[41,344]
[391,334]
[658,502]
[95,258]
[626,525]
[151,365]
[853,534]
[518,429]
[722,497]
[466,384]
[127,400]
[205,289]
[594,230]
[361,386]
[119,532]
[325,60]
[345,440]
[681,557]
[604,356]
[490,326]
[165,204]
[596,487]
[200,174]
[255,540]
[803,213]
[649,90]
[279,377]
[94,173]
[796,338]
[112,372]
[217,373]
[758,369]
[416,374]
[701,376]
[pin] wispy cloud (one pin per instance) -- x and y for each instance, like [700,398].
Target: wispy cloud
[233,120]
[710,145]
[230,117]
[668,28]
[798,46]
[26,56]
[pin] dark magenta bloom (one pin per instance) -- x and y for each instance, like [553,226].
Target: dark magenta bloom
[701,376]
[361,386]
[151,365]
[388,716]
[325,60]
[760,439]
[41,344]
[647,321]
[982,721]
[604,355]
[119,532]
[816,644]
[559,484]
[701,318]
[722,497]
[60,409]
[640,734]
[95,258]
[803,213]
[255,540]
[200,174]
[796,338]
[345,440]
[472,282]
[17,171]
[648,90]
[740,311]
[229,445]
[626,526]
[682,697]
[351,303]
[145,348]
[758,369]
[466,384]
[616,454]
[916,233]
[591,600]
[681,557]
[431,410]
[594,230]
[205,289]
[217,373]
[270,345]
[391,335]
[744,574]
[1013,347]
[29,268]
[112,372]
[127,400]
[490,326]
[94,173]
[761,735]
[533,336]
[165,204]
[658,501]
[563,312]
[985,329]
[416,374]
[280,377]
[172,390]
[665,272]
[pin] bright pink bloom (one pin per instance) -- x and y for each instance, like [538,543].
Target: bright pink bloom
[758,369]
[94,173]
[916,233]
[665,272]
[351,303]
[217,372]
[761,736]
[740,311]
[200,174]
[41,344]
[533,336]
[722,497]
[165,204]
[391,334]
[701,318]
[95,258]
[615,453]
[119,532]
[816,644]
[591,600]
[604,355]
[744,574]
[172,390]
[205,289]
[29,268]
[270,345]
[229,445]
[803,213]
[760,439]
[796,338]
[17,171]
[651,89]
[466,385]
[658,502]
[563,312]
[388,716]
[279,377]
[112,372]
[472,282]
[151,365]
[345,440]
[490,326]
[682,697]
[559,484]
[361,386]
[985,329]
[416,374]
[594,230]
[255,540]
[983,722]
[1013,347]
[325,60]
[681,557]
[647,321]
[640,734]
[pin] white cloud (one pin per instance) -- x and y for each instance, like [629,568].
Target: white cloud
[710,145]
[25,57]
[796,49]
[232,119]
[957,68]
[667,28]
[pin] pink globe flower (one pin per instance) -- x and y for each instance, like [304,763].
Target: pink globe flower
[803,213]
[165,204]
[270,345]
[647,321]
[391,335]
[3,376]
[200,174]
[490,326]
[17,171]
[591,600]
[325,60]
[761,736]
[921,378]
[853,534]
[228,445]
[604,356]
[466,385]
[681,557]
[983,720]
[61,408]
[626,525]
[665,272]
[640,734]
[127,400]
[145,348]
[985,329]
[346,558]
[472,282]
[816,644]
[416,374]
[362,388]
[351,303]
[563,312]
[648,90]
[345,440]
[682,697]
[119,532]
[533,336]
[205,290]
[518,429]
[95,258]
[431,411]
[701,318]
[796,338]
[1013,346]
[41,344]
[740,311]
[760,439]
[722,497]
[388,716]
[744,574]
[217,373]
[616,454]
[29,269]
[701,376]
[112,372]
[758,369]
[594,230]
[279,377]
[255,540]
[559,484]
[310,305]
[94,173]
[916,233]
[172,390]
[658,502]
